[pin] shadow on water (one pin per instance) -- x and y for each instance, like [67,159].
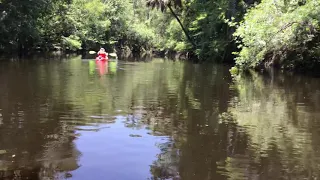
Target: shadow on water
[75,118]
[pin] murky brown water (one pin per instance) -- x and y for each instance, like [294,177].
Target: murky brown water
[80,119]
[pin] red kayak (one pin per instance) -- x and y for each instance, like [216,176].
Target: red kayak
[99,58]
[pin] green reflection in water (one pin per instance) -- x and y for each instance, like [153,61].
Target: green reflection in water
[254,126]
[113,66]
[92,67]
[279,114]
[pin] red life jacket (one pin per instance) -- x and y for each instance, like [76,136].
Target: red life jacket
[103,55]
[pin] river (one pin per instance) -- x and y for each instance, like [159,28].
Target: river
[73,118]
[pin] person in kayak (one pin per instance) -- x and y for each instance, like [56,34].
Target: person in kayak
[102,54]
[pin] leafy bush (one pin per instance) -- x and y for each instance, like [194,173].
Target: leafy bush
[281,33]
[72,43]
[140,35]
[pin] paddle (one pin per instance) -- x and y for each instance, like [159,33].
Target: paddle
[109,54]
[113,54]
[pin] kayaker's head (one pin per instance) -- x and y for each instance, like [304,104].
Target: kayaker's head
[102,49]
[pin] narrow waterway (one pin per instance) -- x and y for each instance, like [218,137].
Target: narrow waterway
[160,119]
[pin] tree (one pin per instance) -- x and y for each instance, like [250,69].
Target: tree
[163,4]
[282,33]
[18,20]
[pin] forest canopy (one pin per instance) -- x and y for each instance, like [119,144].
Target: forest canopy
[251,33]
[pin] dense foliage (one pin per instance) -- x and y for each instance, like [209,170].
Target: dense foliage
[74,24]
[205,29]
[78,24]
[283,33]
[254,33]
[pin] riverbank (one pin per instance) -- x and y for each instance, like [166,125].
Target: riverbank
[148,55]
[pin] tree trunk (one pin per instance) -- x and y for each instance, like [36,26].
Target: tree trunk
[232,11]
[184,30]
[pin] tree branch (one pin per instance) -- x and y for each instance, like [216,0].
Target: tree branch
[184,30]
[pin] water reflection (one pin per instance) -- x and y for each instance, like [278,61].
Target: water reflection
[34,142]
[280,113]
[103,67]
[158,120]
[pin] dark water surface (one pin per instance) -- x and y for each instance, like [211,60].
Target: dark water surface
[80,119]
